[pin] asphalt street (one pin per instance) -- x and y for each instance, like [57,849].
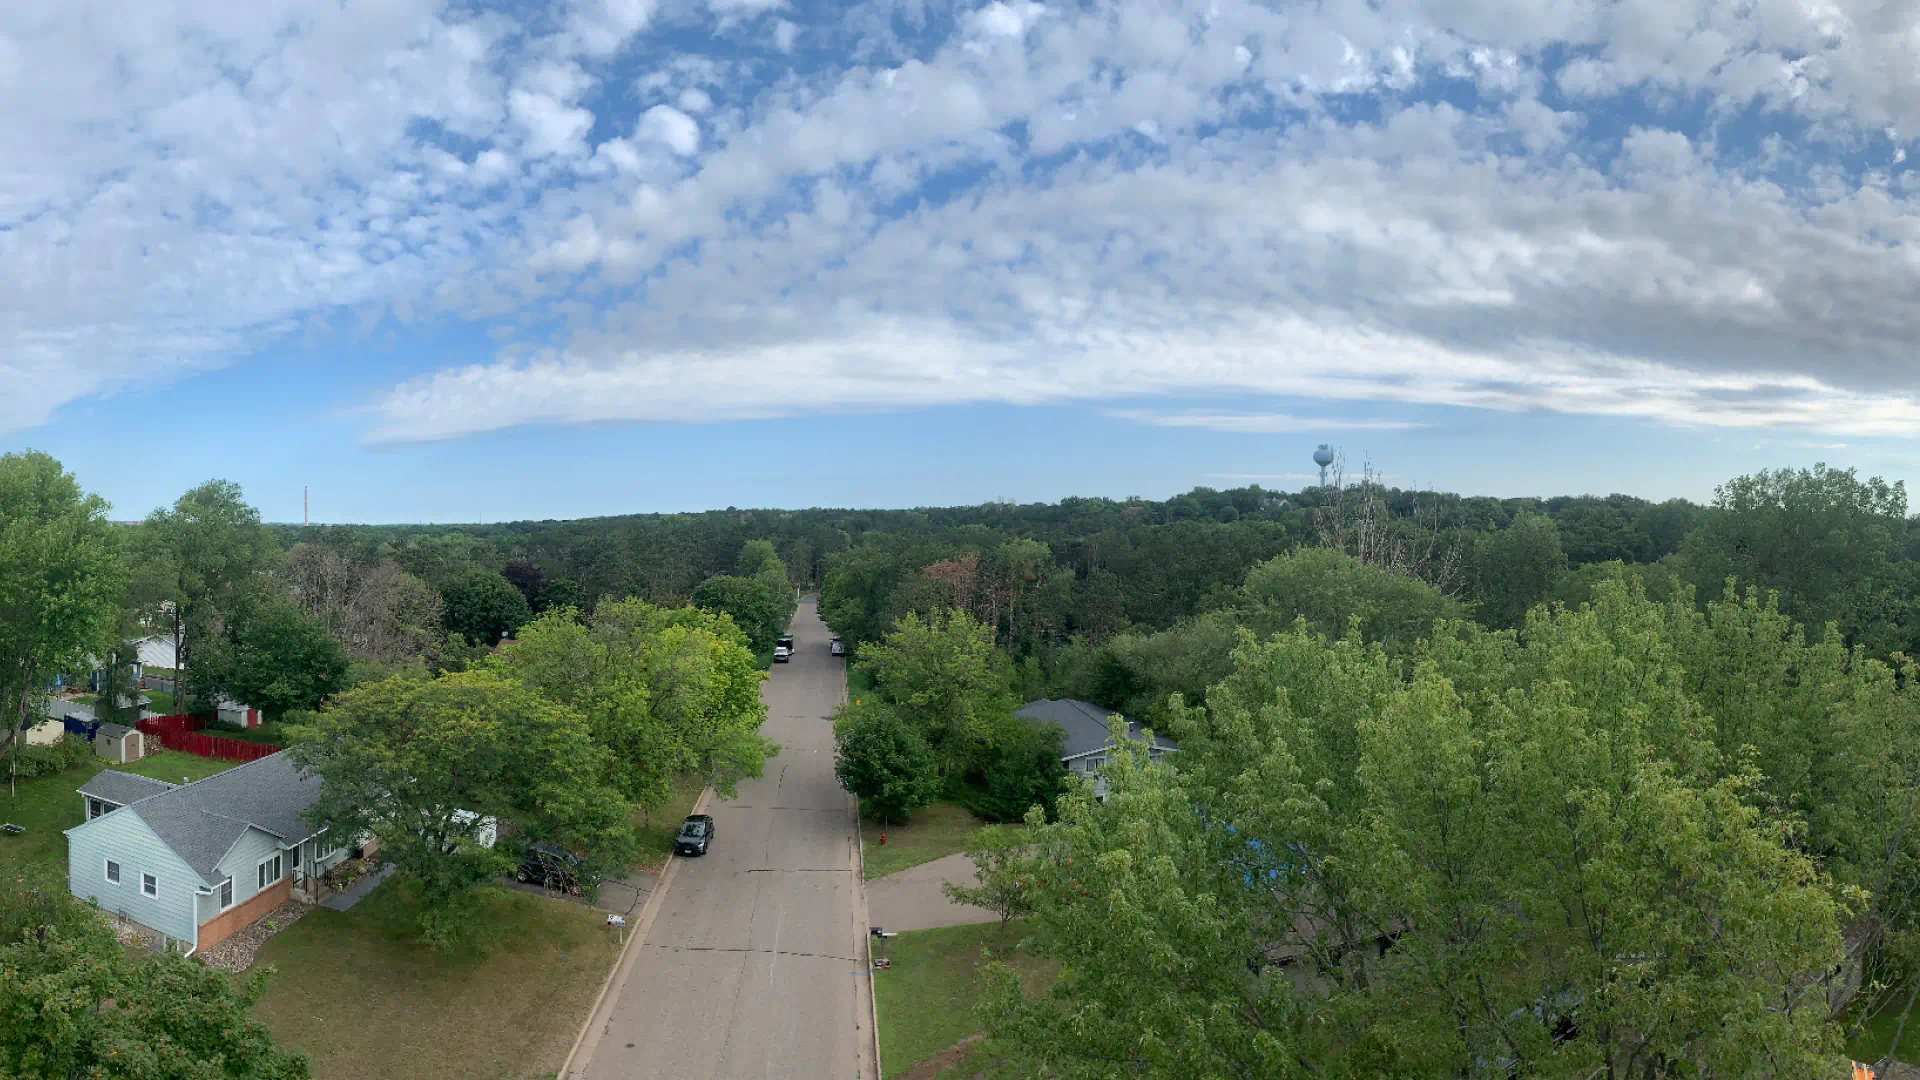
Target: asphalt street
[753,966]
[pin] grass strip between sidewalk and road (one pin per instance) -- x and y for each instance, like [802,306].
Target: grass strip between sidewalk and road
[928,995]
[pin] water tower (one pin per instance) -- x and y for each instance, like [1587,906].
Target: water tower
[1323,457]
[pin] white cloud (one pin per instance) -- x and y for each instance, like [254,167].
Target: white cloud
[1257,423]
[668,125]
[1053,203]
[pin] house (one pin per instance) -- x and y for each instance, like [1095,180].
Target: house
[1089,744]
[119,743]
[196,862]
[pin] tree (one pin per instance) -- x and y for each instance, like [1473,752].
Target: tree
[200,561]
[523,575]
[118,699]
[381,613]
[75,1003]
[483,607]
[1515,568]
[945,676]
[757,606]
[562,593]
[1824,539]
[1003,863]
[1518,858]
[1338,594]
[281,660]
[883,761]
[1023,771]
[61,580]
[423,764]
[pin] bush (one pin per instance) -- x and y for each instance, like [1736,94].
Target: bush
[58,756]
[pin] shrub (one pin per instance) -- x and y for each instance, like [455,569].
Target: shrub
[58,756]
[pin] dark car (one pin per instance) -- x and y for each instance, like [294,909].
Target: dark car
[555,867]
[696,835]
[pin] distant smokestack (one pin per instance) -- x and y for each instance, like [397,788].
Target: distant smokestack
[304,520]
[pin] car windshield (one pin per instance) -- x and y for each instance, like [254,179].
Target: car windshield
[693,828]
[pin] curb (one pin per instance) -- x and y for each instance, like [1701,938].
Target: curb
[865,918]
[597,1019]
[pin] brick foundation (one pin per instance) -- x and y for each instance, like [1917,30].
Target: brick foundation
[222,926]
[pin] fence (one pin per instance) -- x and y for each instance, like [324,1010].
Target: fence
[183,733]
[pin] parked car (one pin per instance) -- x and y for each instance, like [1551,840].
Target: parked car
[696,833]
[555,867]
[786,642]
[781,654]
[837,648]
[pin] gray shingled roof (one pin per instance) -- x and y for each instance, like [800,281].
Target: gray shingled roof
[200,821]
[122,788]
[1084,722]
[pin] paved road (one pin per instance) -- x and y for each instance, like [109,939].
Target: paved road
[753,967]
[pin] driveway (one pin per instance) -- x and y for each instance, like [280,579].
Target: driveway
[754,966]
[912,899]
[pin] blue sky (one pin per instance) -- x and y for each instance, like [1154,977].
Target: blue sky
[481,261]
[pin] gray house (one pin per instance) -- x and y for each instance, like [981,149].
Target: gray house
[1089,744]
[196,862]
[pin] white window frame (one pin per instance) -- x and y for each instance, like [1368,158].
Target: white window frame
[279,870]
[324,846]
[153,880]
[226,894]
[111,871]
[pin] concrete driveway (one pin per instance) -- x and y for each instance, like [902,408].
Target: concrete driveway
[754,966]
[913,900]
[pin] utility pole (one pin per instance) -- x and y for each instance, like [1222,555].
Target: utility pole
[304,519]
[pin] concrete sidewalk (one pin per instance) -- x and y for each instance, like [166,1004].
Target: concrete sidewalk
[912,900]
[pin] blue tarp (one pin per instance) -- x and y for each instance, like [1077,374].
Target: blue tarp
[81,726]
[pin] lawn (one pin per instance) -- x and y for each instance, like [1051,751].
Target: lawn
[267,732]
[927,998]
[160,701]
[933,833]
[366,1001]
[1872,1042]
[658,829]
[47,806]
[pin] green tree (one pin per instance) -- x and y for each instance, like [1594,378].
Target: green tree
[1023,771]
[118,699]
[1515,568]
[1823,538]
[945,676]
[74,1003]
[482,607]
[282,660]
[758,605]
[562,593]
[198,563]
[1338,594]
[883,760]
[61,580]
[422,765]
[1004,865]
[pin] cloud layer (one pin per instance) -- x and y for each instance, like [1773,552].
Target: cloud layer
[1696,212]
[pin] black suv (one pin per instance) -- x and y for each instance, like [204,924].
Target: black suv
[696,835]
[554,867]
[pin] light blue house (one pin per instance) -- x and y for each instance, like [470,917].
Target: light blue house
[196,862]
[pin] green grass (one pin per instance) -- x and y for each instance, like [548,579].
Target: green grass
[47,806]
[160,701]
[933,833]
[926,999]
[366,1001]
[1871,1043]
[658,830]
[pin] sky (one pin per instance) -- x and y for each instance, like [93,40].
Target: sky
[487,261]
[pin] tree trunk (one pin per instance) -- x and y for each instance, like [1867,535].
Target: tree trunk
[1901,1028]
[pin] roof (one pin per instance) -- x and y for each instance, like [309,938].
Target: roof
[201,821]
[122,788]
[1085,724]
[116,731]
[157,651]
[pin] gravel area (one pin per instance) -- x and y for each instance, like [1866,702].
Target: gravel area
[130,933]
[236,953]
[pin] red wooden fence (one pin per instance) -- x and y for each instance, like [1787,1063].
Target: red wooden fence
[183,733]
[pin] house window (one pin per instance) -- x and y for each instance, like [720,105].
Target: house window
[226,894]
[149,885]
[269,870]
[113,871]
[97,807]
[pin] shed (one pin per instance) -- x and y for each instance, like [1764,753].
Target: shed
[118,743]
